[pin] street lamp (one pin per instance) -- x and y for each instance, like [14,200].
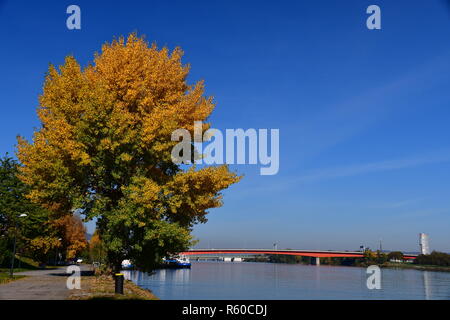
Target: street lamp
[11,271]
[56,255]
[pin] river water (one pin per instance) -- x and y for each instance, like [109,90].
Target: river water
[256,280]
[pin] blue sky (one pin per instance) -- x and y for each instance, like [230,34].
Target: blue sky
[363,114]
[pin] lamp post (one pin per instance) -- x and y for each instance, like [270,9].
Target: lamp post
[56,254]
[11,271]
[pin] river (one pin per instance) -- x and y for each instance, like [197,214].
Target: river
[257,280]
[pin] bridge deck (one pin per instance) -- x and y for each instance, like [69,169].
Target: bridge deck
[305,253]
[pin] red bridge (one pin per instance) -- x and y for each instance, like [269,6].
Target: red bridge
[305,253]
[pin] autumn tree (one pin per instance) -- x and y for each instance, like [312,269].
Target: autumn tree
[369,256]
[96,248]
[42,248]
[104,148]
[395,255]
[73,235]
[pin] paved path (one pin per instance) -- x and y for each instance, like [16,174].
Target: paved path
[49,284]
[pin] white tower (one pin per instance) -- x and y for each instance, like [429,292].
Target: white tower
[424,245]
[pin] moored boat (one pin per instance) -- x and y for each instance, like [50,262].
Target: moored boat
[176,262]
[126,264]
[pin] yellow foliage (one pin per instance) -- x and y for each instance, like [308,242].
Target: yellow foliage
[104,145]
[132,94]
[74,235]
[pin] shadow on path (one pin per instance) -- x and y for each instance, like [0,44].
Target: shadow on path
[83,273]
[49,284]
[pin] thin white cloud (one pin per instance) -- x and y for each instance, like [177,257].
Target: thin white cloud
[278,185]
[357,169]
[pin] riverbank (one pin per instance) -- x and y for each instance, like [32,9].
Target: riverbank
[102,288]
[391,265]
[22,264]
[415,267]
[5,278]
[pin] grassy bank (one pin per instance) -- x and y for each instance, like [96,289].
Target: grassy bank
[4,277]
[352,263]
[21,264]
[415,266]
[25,265]
[102,288]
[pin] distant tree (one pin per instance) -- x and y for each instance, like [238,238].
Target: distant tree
[41,249]
[284,258]
[73,235]
[395,255]
[370,257]
[435,258]
[97,251]
[5,251]
[381,257]
[350,261]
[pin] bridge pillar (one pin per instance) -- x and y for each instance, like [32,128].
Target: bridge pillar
[315,261]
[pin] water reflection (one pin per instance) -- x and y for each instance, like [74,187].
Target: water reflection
[427,285]
[228,280]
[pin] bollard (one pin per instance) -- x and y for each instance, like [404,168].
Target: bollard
[119,283]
